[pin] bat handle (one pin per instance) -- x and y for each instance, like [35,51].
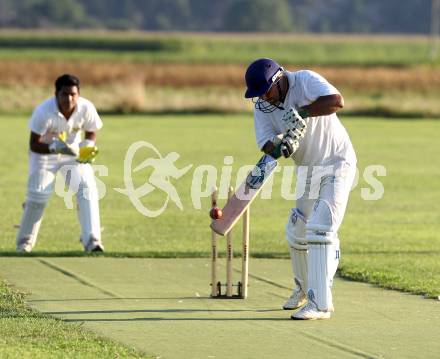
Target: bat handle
[214,251]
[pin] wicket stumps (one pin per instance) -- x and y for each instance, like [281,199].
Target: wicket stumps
[216,285]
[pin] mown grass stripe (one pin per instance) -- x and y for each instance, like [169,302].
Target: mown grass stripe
[78,278]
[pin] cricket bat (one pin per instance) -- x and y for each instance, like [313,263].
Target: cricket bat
[245,194]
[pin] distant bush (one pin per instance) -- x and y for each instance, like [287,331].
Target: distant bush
[302,50]
[90,43]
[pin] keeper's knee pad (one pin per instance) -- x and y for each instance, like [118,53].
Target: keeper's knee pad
[40,186]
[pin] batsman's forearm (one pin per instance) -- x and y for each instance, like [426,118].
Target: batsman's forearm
[90,136]
[324,105]
[39,147]
[272,150]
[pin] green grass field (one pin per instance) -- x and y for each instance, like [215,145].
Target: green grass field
[217,48]
[391,242]
[25,333]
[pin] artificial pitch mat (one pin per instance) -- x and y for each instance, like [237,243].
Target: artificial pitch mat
[162,307]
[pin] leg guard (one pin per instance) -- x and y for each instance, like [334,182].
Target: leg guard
[40,187]
[324,260]
[295,235]
[324,254]
[88,209]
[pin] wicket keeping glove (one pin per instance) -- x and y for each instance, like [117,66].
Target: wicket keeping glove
[60,147]
[87,152]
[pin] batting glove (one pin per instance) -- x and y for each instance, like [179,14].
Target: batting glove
[288,146]
[293,121]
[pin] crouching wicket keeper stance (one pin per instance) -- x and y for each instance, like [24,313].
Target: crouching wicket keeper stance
[56,144]
[326,167]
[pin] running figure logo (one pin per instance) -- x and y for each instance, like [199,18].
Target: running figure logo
[163,169]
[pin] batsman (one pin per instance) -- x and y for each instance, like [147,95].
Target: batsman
[62,138]
[326,166]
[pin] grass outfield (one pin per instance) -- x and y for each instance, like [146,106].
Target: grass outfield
[25,333]
[392,242]
[162,307]
[216,48]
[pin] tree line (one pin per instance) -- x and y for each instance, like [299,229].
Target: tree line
[297,16]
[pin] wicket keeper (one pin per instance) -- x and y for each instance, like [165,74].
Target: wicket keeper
[56,144]
[326,167]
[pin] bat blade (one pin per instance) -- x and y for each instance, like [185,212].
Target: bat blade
[245,194]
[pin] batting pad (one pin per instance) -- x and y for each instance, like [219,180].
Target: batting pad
[323,262]
[298,257]
[295,235]
[296,228]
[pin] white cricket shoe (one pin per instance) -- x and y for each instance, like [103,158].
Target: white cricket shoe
[310,312]
[24,248]
[296,300]
[24,245]
[94,245]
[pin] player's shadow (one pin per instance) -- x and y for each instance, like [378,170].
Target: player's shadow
[79,320]
[162,315]
[49,254]
[172,310]
[151,254]
[109,254]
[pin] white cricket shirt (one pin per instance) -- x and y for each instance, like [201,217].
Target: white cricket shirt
[326,142]
[49,122]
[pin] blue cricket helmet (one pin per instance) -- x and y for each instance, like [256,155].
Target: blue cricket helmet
[260,75]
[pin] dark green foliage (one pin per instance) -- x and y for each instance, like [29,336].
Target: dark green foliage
[351,16]
[246,15]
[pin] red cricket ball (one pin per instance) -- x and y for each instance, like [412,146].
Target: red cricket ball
[215,213]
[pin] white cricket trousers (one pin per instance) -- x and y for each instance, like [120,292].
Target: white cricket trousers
[79,178]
